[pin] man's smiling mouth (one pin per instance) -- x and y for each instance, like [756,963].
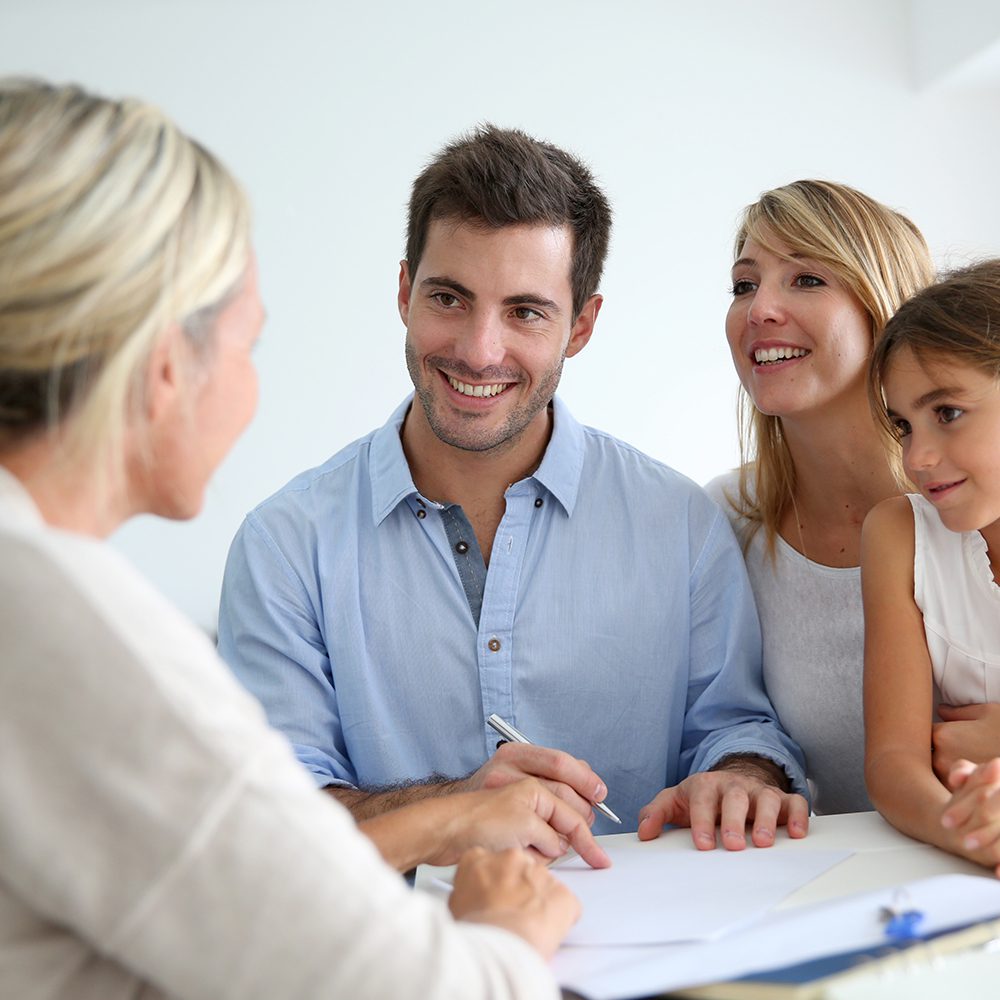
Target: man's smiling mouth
[477,390]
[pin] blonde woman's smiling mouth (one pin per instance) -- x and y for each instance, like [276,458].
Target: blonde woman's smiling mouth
[773,355]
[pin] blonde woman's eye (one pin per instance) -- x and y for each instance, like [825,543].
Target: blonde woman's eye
[742,287]
[901,427]
[809,281]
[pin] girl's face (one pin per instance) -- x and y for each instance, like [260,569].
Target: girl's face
[800,339]
[947,416]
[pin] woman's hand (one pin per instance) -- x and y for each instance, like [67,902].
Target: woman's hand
[515,891]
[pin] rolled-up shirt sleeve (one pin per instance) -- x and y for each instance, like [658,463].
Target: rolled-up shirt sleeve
[270,635]
[728,711]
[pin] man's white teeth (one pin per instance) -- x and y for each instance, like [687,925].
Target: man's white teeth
[477,390]
[763,356]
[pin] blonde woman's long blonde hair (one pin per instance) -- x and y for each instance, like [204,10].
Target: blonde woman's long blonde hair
[879,255]
[113,226]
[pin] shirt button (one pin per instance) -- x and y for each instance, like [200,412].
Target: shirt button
[494,644]
[539,501]
[461,548]
[421,514]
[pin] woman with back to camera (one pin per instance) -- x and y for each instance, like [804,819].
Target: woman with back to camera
[820,268]
[156,838]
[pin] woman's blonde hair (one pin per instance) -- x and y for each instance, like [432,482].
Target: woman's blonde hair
[879,255]
[114,225]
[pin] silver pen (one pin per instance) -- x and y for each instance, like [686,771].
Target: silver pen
[509,733]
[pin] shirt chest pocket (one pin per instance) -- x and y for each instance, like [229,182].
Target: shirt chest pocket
[967,680]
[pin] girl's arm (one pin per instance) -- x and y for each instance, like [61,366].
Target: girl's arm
[899,706]
[898,686]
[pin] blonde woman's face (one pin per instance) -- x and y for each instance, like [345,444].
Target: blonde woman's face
[219,404]
[799,337]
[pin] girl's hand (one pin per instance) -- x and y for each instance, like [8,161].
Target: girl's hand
[972,816]
[514,891]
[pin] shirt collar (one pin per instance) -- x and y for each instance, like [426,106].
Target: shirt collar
[562,463]
[559,472]
[391,479]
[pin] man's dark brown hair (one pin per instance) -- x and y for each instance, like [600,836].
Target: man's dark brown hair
[496,177]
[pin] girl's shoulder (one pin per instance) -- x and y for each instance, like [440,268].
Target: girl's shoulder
[887,534]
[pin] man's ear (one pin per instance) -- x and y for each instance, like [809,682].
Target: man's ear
[584,325]
[403,296]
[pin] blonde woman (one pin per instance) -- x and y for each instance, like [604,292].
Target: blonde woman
[156,838]
[819,270]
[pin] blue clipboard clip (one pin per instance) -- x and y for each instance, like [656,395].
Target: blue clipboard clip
[902,921]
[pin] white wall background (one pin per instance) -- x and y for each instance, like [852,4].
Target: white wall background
[686,111]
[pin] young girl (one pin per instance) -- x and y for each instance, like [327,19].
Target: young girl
[930,562]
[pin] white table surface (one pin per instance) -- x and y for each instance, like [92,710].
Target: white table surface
[882,857]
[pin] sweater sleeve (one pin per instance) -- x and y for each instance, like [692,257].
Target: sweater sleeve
[152,816]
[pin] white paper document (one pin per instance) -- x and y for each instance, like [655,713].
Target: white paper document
[779,939]
[651,896]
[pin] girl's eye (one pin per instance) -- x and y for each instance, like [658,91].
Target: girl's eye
[809,281]
[901,427]
[741,286]
[947,414]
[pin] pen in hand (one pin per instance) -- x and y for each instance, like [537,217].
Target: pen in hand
[509,733]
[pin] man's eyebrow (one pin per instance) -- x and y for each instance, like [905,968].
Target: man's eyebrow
[451,283]
[532,299]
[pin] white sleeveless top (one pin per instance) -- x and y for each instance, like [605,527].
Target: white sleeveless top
[954,588]
[812,626]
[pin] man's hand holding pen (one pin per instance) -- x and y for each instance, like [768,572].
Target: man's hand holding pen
[566,777]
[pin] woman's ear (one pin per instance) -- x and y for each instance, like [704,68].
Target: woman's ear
[167,374]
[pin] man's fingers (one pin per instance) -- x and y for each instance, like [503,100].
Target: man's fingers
[575,832]
[704,808]
[766,814]
[565,794]
[796,815]
[571,779]
[656,814]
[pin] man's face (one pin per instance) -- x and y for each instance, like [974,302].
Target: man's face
[488,323]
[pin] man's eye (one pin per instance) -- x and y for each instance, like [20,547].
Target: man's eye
[526,313]
[742,286]
[445,299]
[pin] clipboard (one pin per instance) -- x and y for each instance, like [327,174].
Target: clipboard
[812,980]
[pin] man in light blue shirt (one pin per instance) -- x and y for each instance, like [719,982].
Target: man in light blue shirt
[485,553]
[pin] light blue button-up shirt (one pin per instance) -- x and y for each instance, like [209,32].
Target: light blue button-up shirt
[616,622]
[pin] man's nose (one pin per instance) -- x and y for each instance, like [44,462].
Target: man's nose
[481,344]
